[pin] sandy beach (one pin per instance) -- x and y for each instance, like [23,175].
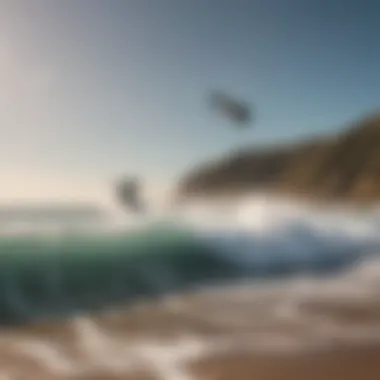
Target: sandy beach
[217,335]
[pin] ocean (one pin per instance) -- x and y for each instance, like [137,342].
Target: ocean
[257,272]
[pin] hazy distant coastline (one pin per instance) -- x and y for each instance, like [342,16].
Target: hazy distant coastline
[38,212]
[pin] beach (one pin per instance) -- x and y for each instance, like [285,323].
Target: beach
[274,332]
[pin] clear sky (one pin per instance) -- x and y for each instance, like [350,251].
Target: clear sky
[91,89]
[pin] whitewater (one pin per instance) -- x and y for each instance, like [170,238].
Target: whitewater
[153,293]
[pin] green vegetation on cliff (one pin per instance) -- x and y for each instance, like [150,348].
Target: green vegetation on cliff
[344,166]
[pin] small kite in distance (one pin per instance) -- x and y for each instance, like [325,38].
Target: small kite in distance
[235,110]
[128,194]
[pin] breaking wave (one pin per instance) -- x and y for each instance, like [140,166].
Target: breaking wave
[204,281]
[257,238]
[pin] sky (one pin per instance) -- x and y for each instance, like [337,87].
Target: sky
[94,89]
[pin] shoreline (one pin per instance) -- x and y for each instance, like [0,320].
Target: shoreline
[220,334]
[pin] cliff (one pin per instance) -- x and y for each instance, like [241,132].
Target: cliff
[344,166]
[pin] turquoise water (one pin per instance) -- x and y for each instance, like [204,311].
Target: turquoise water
[45,275]
[42,275]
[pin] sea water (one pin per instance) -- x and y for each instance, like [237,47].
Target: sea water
[44,273]
[257,260]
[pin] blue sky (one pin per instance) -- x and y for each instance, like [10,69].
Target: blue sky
[91,89]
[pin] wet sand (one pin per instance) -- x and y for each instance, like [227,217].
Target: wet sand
[344,363]
[271,335]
